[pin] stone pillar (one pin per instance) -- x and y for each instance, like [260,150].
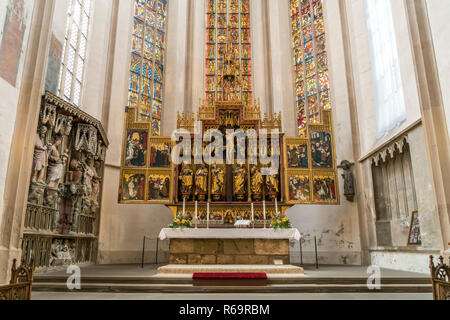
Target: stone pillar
[21,155]
[341,38]
[112,41]
[432,109]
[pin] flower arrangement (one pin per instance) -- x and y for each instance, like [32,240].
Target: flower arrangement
[281,222]
[181,222]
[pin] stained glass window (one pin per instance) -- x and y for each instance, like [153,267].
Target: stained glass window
[310,60]
[74,52]
[220,15]
[147,61]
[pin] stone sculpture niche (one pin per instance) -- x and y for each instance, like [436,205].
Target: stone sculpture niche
[66,180]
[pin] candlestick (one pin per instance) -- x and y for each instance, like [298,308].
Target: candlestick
[184,206]
[196,215]
[264,209]
[276,206]
[253,213]
[207,214]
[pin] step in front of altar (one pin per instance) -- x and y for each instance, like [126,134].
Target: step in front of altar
[268,269]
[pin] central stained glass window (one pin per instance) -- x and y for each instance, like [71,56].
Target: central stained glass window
[310,60]
[147,61]
[220,15]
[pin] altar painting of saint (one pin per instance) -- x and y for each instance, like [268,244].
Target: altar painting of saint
[300,188]
[325,188]
[321,150]
[297,156]
[159,188]
[133,187]
[160,155]
[136,148]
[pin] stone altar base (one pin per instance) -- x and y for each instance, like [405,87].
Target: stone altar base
[229,252]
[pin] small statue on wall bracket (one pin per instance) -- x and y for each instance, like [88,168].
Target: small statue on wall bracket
[349,182]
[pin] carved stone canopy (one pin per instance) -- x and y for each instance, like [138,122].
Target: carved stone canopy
[389,152]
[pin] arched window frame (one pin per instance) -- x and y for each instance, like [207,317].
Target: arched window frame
[311,76]
[146,86]
[390,107]
[72,70]
[224,8]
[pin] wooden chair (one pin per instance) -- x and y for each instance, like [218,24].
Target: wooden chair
[21,283]
[440,278]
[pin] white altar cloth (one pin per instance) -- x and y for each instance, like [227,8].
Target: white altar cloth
[279,234]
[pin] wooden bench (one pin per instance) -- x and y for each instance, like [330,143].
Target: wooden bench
[21,283]
[440,278]
[230,279]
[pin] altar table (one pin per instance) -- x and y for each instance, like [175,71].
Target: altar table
[230,246]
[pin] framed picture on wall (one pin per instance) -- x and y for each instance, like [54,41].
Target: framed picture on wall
[299,188]
[414,237]
[325,188]
[297,154]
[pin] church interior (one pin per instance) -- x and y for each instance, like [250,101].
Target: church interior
[168,146]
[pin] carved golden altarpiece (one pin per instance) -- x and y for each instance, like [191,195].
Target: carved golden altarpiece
[307,173]
[63,207]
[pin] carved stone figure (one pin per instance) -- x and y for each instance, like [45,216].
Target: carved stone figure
[48,115]
[36,193]
[69,125]
[201,182]
[186,178]
[240,177]
[349,184]
[217,182]
[96,181]
[88,174]
[56,164]
[40,156]
[86,138]
[60,253]
[257,183]
[51,198]
[76,169]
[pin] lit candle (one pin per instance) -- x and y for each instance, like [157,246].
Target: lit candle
[207,215]
[253,213]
